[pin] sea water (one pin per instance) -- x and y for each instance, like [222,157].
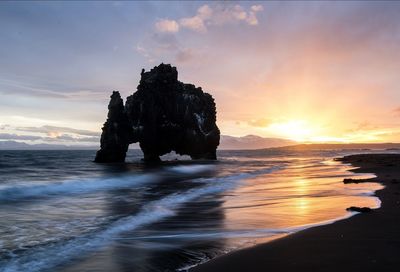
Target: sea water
[60,211]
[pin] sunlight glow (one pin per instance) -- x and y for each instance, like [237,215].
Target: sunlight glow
[297,130]
[314,130]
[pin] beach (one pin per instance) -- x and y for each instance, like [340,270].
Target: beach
[367,241]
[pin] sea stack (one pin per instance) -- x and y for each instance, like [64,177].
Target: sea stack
[163,115]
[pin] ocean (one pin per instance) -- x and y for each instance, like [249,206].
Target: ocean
[60,211]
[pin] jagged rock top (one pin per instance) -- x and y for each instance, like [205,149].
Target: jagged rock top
[162,74]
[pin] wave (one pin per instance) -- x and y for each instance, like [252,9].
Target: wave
[72,187]
[50,256]
[39,259]
[191,169]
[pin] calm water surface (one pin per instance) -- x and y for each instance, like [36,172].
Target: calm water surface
[59,211]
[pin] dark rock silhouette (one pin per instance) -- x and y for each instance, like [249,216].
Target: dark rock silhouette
[359,209]
[117,133]
[163,115]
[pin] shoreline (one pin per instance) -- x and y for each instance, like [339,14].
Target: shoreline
[367,241]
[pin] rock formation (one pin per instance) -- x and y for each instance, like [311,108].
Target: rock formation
[117,132]
[163,115]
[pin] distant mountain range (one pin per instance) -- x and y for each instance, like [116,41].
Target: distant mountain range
[14,145]
[227,142]
[349,146]
[252,142]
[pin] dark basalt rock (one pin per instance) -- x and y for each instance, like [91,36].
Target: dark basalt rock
[117,133]
[356,181]
[359,209]
[163,115]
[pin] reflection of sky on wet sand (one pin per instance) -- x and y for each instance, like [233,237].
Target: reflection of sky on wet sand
[296,196]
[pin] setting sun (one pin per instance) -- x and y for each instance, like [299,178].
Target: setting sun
[297,130]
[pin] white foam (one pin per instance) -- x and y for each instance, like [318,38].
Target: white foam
[192,169]
[72,187]
[75,186]
[48,257]
[93,185]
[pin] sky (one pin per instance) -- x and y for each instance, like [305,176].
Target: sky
[307,71]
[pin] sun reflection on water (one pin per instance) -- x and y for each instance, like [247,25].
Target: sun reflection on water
[296,196]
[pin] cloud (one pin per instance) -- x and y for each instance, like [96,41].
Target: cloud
[54,131]
[69,138]
[207,16]
[397,111]
[54,134]
[251,17]
[159,45]
[41,90]
[257,8]
[204,12]
[9,136]
[197,22]
[363,127]
[263,122]
[184,55]
[144,52]
[11,87]
[57,138]
[166,46]
[194,23]
[165,25]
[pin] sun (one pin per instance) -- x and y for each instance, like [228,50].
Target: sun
[297,130]
[304,131]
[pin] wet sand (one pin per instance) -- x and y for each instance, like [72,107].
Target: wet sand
[368,241]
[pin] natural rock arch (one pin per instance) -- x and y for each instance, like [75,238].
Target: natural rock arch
[163,115]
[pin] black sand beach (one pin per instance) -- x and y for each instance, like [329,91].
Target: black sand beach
[365,242]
